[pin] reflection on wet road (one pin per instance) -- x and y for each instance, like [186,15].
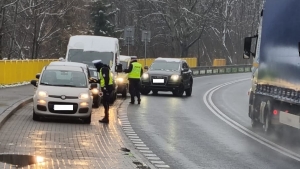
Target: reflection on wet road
[64,143]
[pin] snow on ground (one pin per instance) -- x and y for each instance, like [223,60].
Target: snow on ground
[14,85]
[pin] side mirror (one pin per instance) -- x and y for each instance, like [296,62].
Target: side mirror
[146,67]
[247,47]
[34,83]
[119,68]
[38,76]
[94,85]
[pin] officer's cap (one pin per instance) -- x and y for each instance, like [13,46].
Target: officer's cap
[133,58]
[97,61]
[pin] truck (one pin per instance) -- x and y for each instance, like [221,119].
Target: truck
[86,48]
[274,97]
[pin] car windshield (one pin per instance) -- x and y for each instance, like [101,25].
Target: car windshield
[87,57]
[124,64]
[64,78]
[94,73]
[163,65]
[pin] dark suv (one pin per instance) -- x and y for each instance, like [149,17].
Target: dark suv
[167,74]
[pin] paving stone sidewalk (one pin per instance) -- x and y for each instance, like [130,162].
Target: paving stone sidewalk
[63,144]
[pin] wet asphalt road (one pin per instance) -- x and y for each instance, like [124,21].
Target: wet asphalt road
[185,134]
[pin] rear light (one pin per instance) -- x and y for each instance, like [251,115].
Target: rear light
[275,112]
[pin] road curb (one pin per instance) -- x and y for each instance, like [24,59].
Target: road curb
[135,143]
[12,109]
[121,111]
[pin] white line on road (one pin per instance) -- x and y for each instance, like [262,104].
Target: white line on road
[207,98]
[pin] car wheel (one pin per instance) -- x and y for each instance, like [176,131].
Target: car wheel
[35,117]
[124,93]
[88,119]
[145,91]
[155,92]
[188,92]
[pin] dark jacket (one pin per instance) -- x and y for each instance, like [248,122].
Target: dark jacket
[105,73]
[130,68]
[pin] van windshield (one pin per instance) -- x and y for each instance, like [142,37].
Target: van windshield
[124,64]
[87,57]
[64,78]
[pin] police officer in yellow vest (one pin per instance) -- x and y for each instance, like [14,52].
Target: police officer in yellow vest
[135,72]
[106,84]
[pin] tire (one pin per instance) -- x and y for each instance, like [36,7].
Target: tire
[35,117]
[155,92]
[124,93]
[254,123]
[188,92]
[145,91]
[267,126]
[179,92]
[114,98]
[88,119]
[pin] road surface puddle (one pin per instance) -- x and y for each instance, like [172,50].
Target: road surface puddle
[20,160]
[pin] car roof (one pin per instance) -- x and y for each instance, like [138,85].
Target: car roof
[168,59]
[60,63]
[64,67]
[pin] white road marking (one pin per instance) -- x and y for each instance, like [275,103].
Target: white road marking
[207,98]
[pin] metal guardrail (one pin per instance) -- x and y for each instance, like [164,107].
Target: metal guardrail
[211,70]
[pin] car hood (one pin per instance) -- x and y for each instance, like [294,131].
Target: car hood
[162,72]
[59,91]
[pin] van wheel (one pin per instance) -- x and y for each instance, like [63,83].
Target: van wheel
[35,117]
[97,102]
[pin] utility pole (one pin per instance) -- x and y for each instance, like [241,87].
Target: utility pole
[146,36]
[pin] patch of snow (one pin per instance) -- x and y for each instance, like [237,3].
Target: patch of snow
[14,85]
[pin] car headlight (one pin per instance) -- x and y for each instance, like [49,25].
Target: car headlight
[145,76]
[120,80]
[43,94]
[175,77]
[95,91]
[84,96]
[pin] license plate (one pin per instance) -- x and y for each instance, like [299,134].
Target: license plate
[63,107]
[158,80]
[289,119]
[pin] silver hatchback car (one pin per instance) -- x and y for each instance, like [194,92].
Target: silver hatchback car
[63,91]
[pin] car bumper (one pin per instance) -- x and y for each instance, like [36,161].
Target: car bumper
[67,108]
[162,87]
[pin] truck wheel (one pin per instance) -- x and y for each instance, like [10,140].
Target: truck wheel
[254,122]
[145,91]
[35,117]
[268,128]
[267,125]
[124,93]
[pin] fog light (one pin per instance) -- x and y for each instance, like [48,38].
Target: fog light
[84,104]
[41,101]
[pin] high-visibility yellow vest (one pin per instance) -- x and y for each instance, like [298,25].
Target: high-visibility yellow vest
[136,71]
[102,80]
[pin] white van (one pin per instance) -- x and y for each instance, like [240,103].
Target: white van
[86,48]
[63,91]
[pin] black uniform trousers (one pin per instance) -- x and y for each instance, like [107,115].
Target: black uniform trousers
[134,89]
[106,100]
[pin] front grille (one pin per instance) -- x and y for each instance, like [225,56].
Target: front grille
[51,108]
[159,77]
[67,97]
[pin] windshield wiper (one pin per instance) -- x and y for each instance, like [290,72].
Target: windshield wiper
[42,83]
[67,85]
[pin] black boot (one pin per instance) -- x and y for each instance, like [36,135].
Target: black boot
[105,119]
